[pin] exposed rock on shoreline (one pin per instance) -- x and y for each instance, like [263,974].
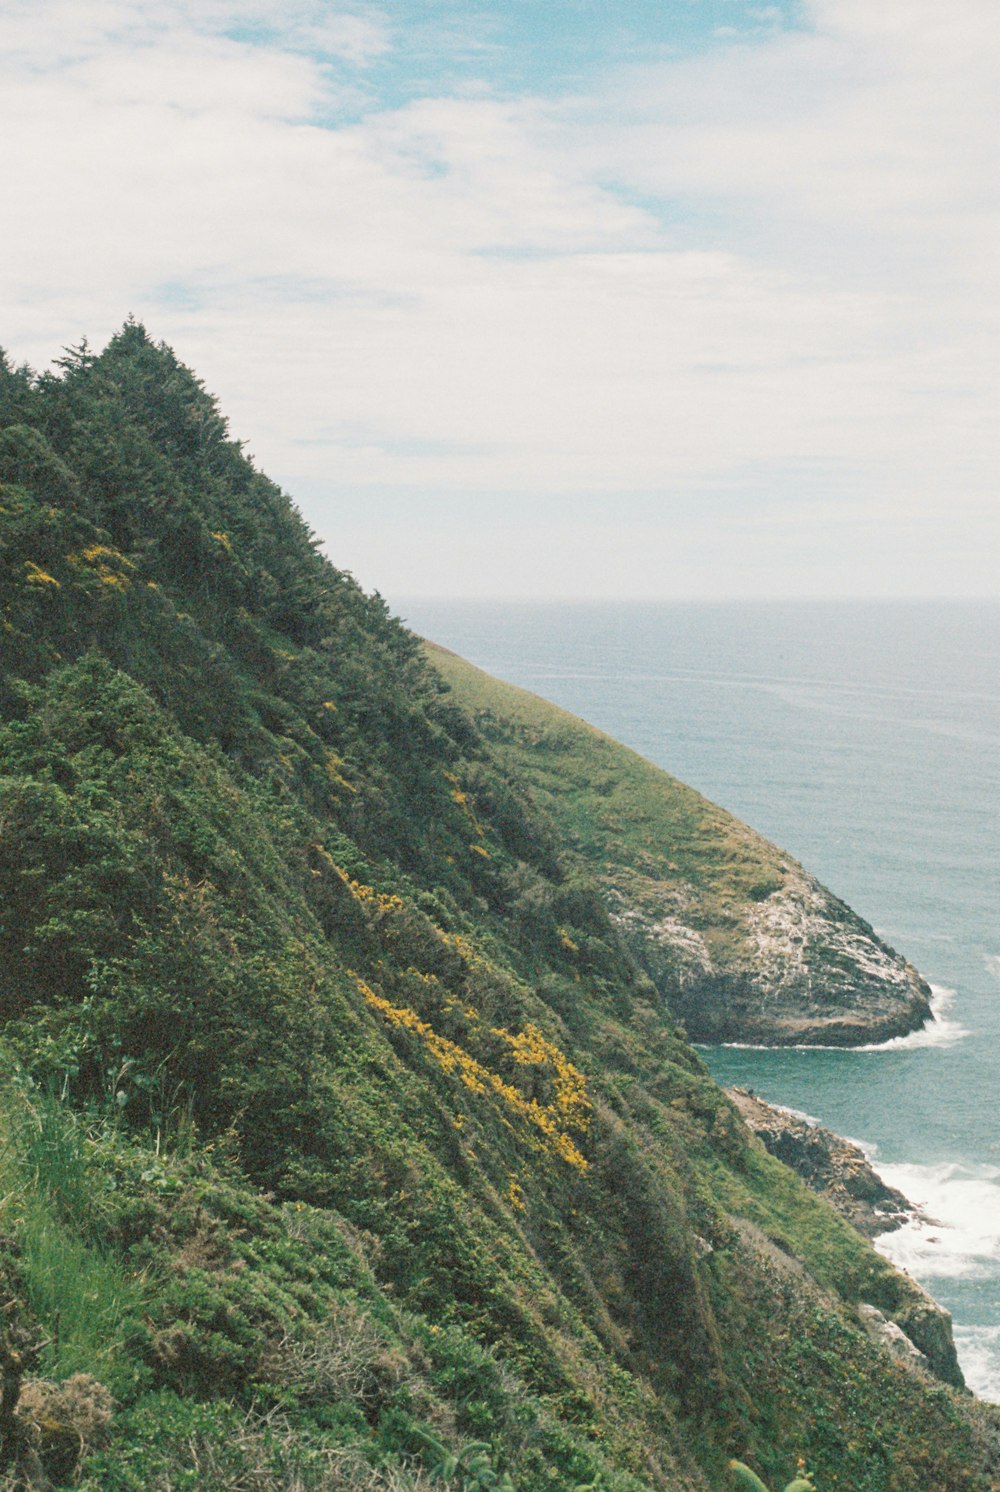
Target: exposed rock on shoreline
[795,967]
[841,1173]
[828,1164]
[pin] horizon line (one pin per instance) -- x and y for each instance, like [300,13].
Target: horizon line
[437,598]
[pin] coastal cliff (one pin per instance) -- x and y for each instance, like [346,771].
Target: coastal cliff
[840,1172]
[348,1134]
[741,942]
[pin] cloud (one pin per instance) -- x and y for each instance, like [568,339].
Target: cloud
[47,33]
[880,121]
[768,269]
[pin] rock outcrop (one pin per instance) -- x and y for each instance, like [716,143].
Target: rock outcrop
[741,942]
[928,1327]
[841,1173]
[887,1334]
[796,967]
[828,1164]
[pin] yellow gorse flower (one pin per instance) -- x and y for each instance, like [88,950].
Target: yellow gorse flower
[37,576]
[570,1108]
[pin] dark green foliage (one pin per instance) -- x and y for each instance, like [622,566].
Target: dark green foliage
[343,1138]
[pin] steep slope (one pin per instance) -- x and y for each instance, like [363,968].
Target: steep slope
[743,943]
[345,1140]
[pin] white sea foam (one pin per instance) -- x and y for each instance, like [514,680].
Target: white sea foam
[993,964]
[783,1108]
[940,1030]
[735,1046]
[978,1350]
[955,1232]
[867,1147]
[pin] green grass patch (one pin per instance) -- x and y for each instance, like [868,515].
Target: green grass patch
[627,816]
[85,1301]
[81,1292]
[766,1192]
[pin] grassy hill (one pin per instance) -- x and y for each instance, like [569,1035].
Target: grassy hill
[740,939]
[346,1141]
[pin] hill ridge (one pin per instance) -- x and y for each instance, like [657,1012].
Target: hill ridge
[346,1139]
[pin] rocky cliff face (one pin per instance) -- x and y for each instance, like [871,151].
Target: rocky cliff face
[796,967]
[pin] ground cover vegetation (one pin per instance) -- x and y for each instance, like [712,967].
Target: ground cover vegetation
[343,1140]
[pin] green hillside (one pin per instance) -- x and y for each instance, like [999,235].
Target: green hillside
[740,939]
[347,1140]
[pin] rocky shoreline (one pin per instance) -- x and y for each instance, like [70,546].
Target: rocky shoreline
[796,968]
[830,1165]
[840,1172]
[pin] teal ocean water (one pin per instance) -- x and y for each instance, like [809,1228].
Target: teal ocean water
[865,739]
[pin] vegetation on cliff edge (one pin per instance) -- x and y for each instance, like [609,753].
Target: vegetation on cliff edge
[344,1142]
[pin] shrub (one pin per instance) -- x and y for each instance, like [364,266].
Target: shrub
[65,1421]
[345,1357]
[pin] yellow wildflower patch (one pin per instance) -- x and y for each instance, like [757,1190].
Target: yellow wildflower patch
[368,896]
[109,563]
[37,576]
[479,1079]
[462,799]
[462,947]
[333,764]
[530,1048]
[101,553]
[515,1196]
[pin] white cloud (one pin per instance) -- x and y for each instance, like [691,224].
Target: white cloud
[770,269]
[355,38]
[46,32]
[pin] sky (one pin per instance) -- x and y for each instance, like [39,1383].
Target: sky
[658,299]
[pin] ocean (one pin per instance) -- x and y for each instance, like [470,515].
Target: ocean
[864,739]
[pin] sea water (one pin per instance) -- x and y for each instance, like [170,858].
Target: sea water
[865,740]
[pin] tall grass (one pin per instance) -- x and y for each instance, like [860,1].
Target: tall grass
[51,1195]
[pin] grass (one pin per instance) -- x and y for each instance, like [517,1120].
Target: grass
[80,1292]
[768,1194]
[647,833]
[81,1296]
